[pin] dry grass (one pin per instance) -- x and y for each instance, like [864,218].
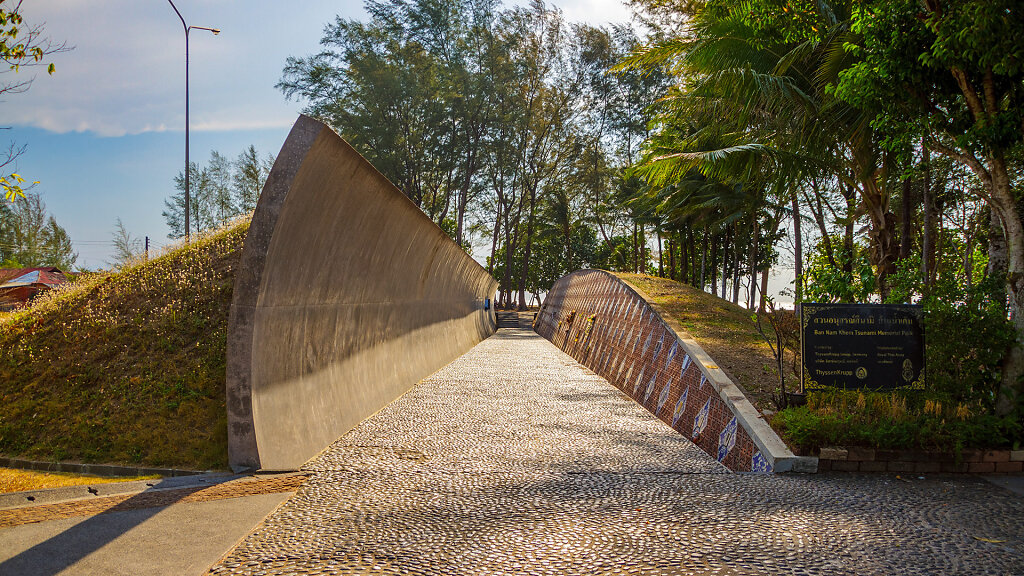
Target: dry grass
[18,480]
[125,368]
[724,330]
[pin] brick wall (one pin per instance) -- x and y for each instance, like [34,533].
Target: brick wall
[857,459]
[606,325]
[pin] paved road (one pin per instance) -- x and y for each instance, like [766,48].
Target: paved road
[517,460]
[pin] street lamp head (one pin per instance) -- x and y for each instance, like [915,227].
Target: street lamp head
[215,31]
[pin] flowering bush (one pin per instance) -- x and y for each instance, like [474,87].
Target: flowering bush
[125,367]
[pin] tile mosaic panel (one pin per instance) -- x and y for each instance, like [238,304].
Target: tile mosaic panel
[601,322]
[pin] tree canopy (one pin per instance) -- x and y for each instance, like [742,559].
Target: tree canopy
[871,147]
[502,124]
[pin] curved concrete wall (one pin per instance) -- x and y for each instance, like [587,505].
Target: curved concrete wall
[613,328]
[346,297]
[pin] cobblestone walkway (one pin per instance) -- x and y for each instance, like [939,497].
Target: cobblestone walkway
[515,459]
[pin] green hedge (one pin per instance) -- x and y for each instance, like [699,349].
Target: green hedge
[893,421]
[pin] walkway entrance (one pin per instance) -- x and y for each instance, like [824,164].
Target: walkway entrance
[515,459]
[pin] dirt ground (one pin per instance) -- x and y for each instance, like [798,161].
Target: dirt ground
[12,480]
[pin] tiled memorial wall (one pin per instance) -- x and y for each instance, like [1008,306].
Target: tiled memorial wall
[605,325]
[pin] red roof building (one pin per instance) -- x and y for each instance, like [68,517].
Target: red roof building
[19,285]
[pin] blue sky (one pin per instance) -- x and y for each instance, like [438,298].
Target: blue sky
[105,133]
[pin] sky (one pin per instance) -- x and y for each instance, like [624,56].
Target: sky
[105,133]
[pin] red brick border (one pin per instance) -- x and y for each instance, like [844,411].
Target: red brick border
[860,459]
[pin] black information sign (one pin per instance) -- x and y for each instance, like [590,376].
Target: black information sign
[862,346]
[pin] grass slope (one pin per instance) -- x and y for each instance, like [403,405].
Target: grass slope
[724,330]
[125,367]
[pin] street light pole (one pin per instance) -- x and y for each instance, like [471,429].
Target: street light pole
[188,195]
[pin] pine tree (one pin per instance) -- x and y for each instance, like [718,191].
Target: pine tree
[250,175]
[31,237]
[126,248]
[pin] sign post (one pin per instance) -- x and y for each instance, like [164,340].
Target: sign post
[876,347]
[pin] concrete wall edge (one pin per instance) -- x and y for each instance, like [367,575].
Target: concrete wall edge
[337,266]
[243,450]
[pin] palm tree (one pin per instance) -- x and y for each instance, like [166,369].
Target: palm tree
[754,107]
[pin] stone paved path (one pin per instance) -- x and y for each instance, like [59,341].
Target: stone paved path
[515,459]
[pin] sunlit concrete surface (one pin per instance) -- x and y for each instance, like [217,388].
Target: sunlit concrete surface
[515,459]
[177,540]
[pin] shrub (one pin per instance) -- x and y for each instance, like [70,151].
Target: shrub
[893,421]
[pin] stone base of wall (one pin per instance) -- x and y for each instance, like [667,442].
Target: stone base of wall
[855,459]
[94,469]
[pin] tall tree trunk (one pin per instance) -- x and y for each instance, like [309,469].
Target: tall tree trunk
[798,251]
[736,276]
[714,265]
[1003,203]
[693,249]
[636,247]
[494,237]
[993,173]
[725,256]
[850,196]
[928,236]
[752,293]
[703,258]
[906,220]
[997,250]
[1011,392]
[644,259]
[506,280]
[526,253]
[687,253]
[511,245]
[460,213]
[763,297]
[685,250]
[661,260]
[671,260]
[884,250]
[870,171]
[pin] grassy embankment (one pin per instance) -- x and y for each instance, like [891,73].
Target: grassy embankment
[124,368]
[128,368]
[725,331]
[872,419]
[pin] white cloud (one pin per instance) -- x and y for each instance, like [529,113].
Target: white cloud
[252,124]
[126,73]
